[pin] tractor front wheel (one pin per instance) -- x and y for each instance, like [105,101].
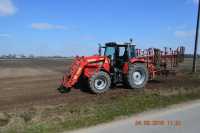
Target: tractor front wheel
[100,82]
[137,76]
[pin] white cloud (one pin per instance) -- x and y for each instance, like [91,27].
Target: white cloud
[4,35]
[184,33]
[47,26]
[7,8]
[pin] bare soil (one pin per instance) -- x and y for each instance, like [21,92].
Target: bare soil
[27,83]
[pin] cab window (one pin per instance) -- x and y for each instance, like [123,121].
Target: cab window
[110,52]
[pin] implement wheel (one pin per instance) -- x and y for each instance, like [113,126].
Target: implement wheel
[137,76]
[100,82]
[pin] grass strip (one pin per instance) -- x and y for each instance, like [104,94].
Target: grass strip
[92,114]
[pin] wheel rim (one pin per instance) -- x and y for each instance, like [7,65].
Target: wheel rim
[138,77]
[100,84]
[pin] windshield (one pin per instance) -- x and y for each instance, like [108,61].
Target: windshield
[132,51]
[110,51]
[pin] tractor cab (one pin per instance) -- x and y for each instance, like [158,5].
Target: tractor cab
[119,53]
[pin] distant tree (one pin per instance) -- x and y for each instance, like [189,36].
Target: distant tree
[9,56]
[3,56]
[31,56]
[22,56]
[188,55]
[56,56]
[13,56]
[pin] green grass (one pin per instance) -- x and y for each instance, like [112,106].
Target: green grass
[92,114]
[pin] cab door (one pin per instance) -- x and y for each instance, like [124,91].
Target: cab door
[110,52]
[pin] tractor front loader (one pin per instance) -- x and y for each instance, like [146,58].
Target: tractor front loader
[120,63]
[85,66]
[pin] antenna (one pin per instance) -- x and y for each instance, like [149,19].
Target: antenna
[99,49]
[131,40]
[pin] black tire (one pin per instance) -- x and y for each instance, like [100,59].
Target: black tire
[138,76]
[100,82]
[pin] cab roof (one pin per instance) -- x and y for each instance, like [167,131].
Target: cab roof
[114,44]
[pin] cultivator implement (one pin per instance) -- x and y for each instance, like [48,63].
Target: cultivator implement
[161,62]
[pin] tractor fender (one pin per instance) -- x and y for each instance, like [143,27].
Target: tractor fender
[132,61]
[137,60]
[89,71]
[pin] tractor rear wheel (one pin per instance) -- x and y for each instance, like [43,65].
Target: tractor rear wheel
[100,82]
[137,76]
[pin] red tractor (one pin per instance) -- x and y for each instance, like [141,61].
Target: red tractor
[120,63]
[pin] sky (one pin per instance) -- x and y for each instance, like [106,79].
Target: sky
[75,27]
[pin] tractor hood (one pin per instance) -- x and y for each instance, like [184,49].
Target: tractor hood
[93,58]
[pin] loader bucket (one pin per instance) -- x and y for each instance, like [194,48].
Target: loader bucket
[71,77]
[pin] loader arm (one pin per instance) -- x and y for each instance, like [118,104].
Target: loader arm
[77,67]
[69,79]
